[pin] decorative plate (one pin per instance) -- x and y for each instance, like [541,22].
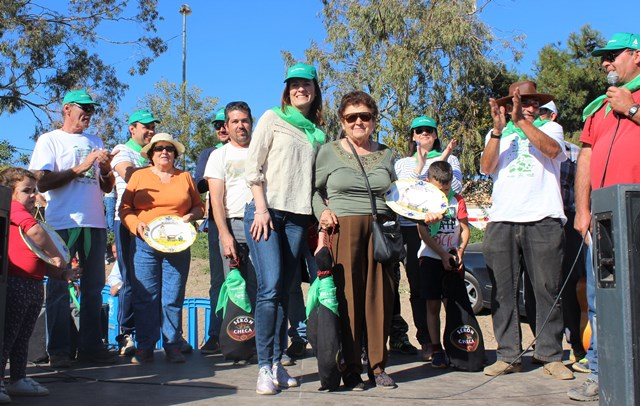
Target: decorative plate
[57,241]
[169,234]
[413,198]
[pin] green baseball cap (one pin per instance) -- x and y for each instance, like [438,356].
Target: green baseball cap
[302,70]
[620,40]
[423,121]
[219,115]
[79,96]
[142,116]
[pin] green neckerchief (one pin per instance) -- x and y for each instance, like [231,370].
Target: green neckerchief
[234,288]
[220,144]
[597,103]
[433,228]
[322,292]
[136,148]
[511,128]
[292,116]
[431,154]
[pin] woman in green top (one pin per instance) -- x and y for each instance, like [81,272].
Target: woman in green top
[341,202]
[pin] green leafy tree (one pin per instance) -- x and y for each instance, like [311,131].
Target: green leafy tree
[44,52]
[572,76]
[192,126]
[414,57]
[11,156]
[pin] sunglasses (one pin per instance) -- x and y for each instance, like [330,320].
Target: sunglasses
[365,117]
[218,125]
[168,148]
[611,56]
[420,130]
[530,103]
[87,108]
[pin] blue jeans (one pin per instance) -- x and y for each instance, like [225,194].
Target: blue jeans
[541,245]
[110,213]
[124,239]
[216,274]
[275,261]
[592,352]
[92,282]
[159,283]
[297,310]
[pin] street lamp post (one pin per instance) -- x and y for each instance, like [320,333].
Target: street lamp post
[185,10]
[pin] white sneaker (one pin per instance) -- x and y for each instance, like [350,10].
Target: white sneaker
[265,385]
[26,387]
[282,378]
[127,345]
[4,397]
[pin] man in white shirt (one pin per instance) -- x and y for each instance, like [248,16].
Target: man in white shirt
[229,192]
[142,125]
[523,156]
[74,170]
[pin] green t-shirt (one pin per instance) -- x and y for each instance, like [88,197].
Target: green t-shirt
[339,179]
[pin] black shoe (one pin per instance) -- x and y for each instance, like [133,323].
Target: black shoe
[353,381]
[102,356]
[403,347]
[296,350]
[212,346]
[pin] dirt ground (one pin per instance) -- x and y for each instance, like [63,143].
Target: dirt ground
[198,286]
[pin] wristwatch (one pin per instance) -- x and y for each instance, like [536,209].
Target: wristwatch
[495,136]
[633,110]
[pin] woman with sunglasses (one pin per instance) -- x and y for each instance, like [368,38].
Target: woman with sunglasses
[279,171]
[159,278]
[424,149]
[365,288]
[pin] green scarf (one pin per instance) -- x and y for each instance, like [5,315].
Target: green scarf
[137,148]
[431,154]
[597,103]
[293,116]
[74,234]
[511,128]
[322,292]
[234,288]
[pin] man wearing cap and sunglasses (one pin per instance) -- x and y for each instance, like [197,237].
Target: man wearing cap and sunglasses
[610,142]
[74,170]
[142,125]
[212,346]
[523,156]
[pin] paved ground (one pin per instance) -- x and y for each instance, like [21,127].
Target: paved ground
[203,380]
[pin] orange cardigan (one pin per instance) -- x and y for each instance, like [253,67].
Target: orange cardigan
[146,198]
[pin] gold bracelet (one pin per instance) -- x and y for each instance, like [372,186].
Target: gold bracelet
[106,174]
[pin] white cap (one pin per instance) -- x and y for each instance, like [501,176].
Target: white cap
[551,106]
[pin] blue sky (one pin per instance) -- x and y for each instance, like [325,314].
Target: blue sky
[233,48]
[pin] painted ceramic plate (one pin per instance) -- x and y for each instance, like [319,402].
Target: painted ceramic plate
[170,234]
[412,198]
[57,241]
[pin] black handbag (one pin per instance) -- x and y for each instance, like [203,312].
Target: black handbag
[388,246]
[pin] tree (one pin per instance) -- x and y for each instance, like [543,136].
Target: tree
[414,57]
[194,127]
[572,76]
[10,156]
[45,52]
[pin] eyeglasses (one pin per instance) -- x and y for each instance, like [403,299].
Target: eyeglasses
[365,116]
[611,56]
[87,108]
[168,148]
[218,125]
[420,130]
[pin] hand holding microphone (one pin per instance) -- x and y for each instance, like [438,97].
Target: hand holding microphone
[619,98]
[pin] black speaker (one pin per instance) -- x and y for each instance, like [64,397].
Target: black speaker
[5,207]
[616,215]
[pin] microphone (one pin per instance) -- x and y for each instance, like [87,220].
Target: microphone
[613,78]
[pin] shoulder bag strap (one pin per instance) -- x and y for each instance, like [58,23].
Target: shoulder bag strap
[374,210]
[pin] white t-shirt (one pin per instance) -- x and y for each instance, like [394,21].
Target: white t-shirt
[126,154]
[79,202]
[228,163]
[526,183]
[449,231]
